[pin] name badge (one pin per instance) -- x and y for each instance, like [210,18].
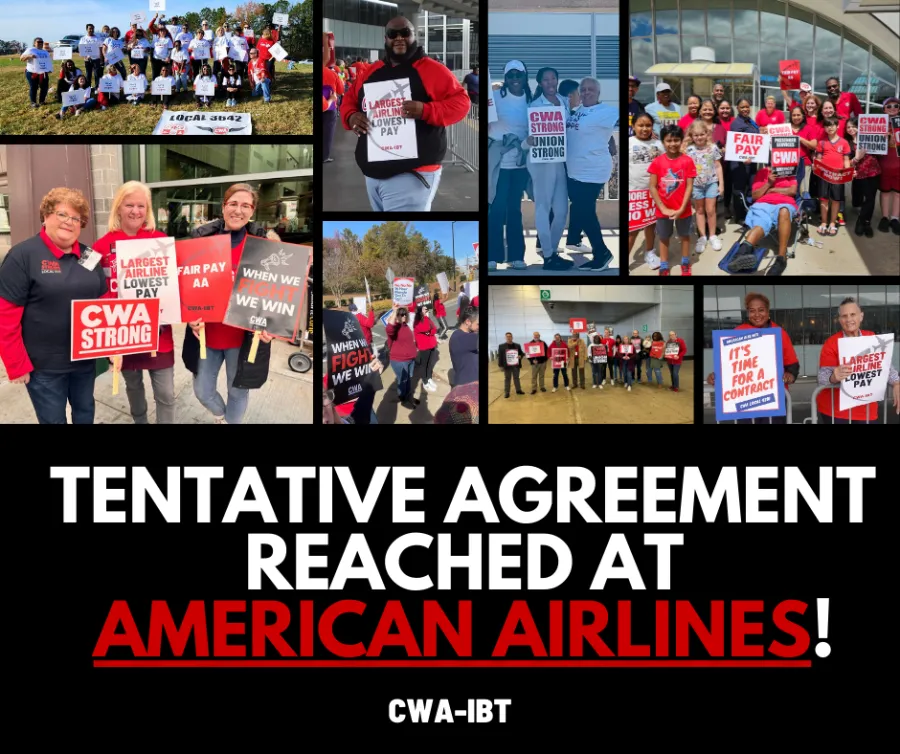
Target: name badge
[89,259]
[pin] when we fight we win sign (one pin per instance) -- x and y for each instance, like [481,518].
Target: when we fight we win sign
[547,129]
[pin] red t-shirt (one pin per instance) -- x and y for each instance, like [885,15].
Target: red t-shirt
[764,119]
[263,46]
[828,357]
[810,132]
[760,179]
[847,105]
[672,178]
[221,336]
[686,121]
[832,154]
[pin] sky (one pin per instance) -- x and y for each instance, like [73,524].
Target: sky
[53,19]
[466,234]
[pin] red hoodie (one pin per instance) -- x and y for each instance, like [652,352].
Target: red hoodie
[403,344]
[424,332]
[682,350]
[366,323]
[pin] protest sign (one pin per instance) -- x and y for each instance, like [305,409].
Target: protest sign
[161,52]
[422,295]
[749,373]
[222,52]
[668,117]
[391,136]
[845,175]
[238,53]
[641,210]
[785,154]
[657,349]
[491,107]
[672,350]
[137,53]
[114,55]
[626,349]
[250,34]
[403,291]
[139,17]
[280,19]
[110,327]
[870,358]
[741,146]
[512,358]
[873,124]
[895,127]
[205,88]
[89,50]
[349,356]
[779,129]
[547,129]
[388,273]
[147,268]
[873,134]
[790,74]
[134,86]
[157,5]
[471,289]
[598,354]
[62,53]
[443,282]
[578,325]
[208,35]
[269,287]
[201,52]
[111,84]
[533,350]
[361,304]
[278,52]
[204,277]
[559,356]
[161,86]
[43,63]
[74,97]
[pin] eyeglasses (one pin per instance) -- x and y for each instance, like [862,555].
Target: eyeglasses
[68,220]
[406,33]
[892,106]
[235,205]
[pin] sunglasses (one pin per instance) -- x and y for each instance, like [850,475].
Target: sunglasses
[515,75]
[406,33]
[892,106]
[833,86]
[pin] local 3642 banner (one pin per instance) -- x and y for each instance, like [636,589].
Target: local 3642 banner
[173,123]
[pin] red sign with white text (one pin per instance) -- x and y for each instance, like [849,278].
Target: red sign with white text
[641,210]
[205,277]
[114,327]
[790,74]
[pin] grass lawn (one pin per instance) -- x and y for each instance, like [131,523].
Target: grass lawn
[290,111]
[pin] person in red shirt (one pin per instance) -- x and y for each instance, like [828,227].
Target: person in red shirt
[693,105]
[770,116]
[131,217]
[758,306]
[890,175]
[332,90]
[440,313]
[845,103]
[674,358]
[263,45]
[426,341]
[365,322]
[259,77]
[808,141]
[671,184]
[436,100]
[610,344]
[850,316]
[833,153]
[402,344]
[225,344]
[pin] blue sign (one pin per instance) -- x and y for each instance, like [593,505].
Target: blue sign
[749,369]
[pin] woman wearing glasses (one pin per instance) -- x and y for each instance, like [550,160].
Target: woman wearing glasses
[225,344]
[890,175]
[402,344]
[39,279]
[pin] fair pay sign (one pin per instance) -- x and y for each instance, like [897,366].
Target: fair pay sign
[747,146]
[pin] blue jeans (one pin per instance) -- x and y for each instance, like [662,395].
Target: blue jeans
[674,369]
[627,375]
[264,88]
[50,391]
[205,385]
[37,83]
[658,375]
[597,372]
[506,211]
[404,192]
[403,370]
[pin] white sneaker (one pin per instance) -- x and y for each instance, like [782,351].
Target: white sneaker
[579,248]
[519,265]
[652,260]
[600,386]
[554,390]
[701,245]
[715,243]
[568,388]
[593,386]
[629,388]
[219,420]
[492,266]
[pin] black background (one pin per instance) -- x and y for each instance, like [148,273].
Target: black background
[79,569]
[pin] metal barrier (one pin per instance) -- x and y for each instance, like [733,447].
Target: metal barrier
[814,412]
[789,410]
[462,141]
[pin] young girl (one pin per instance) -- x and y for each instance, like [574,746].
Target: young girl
[671,186]
[68,74]
[110,98]
[137,75]
[833,153]
[559,354]
[890,176]
[426,342]
[708,116]
[597,367]
[693,106]
[643,148]
[205,75]
[89,103]
[180,66]
[229,83]
[440,313]
[708,163]
[865,180]
[165,75]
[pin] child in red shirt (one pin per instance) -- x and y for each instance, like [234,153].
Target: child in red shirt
[671,185]
[833,153]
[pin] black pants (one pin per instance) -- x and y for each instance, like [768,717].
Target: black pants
[157,66]
[506,210]
[62,86]
[93,69]
[741,182]
[511,373]
[726,189]
[866,189]
[427,358]
[584,215]
[329,119]
[37,83]
[164,99]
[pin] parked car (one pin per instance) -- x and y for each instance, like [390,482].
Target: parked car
[70,40]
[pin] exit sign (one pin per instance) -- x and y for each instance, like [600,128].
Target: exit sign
[645,328]
[545,295]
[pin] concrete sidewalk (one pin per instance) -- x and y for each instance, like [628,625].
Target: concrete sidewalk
[344,186]
[286,398]
[645,404]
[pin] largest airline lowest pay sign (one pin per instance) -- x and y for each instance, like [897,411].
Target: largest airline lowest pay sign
[391,135]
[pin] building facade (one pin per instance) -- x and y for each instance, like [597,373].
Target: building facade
[525,309]
[858,48]
[809,314]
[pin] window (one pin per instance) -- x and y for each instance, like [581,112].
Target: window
[693,18]
[772,22]
[827,54]
[746,19]
[667,49]
[800,40]
[666,17]
[730,296]
[641,56]
[687,42]
[641,22]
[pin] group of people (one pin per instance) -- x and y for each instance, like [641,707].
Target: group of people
[236,63]
[399,182]
[41,277]
[613,359]
[561,190]
[831,373]
[680,160]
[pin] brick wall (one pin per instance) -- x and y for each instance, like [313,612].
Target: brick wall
[105,177]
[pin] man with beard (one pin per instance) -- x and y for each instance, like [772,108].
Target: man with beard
[437,101]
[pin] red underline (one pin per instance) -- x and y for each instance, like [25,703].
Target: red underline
[453,663]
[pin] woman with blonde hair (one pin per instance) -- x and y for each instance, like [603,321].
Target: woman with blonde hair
[39,279]
[131,217]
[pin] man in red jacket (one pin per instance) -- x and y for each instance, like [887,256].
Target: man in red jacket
[396,181]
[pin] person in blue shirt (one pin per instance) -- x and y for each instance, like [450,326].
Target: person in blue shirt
[464,348]
[470,82]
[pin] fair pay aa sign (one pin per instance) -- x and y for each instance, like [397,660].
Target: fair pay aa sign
[202,269]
